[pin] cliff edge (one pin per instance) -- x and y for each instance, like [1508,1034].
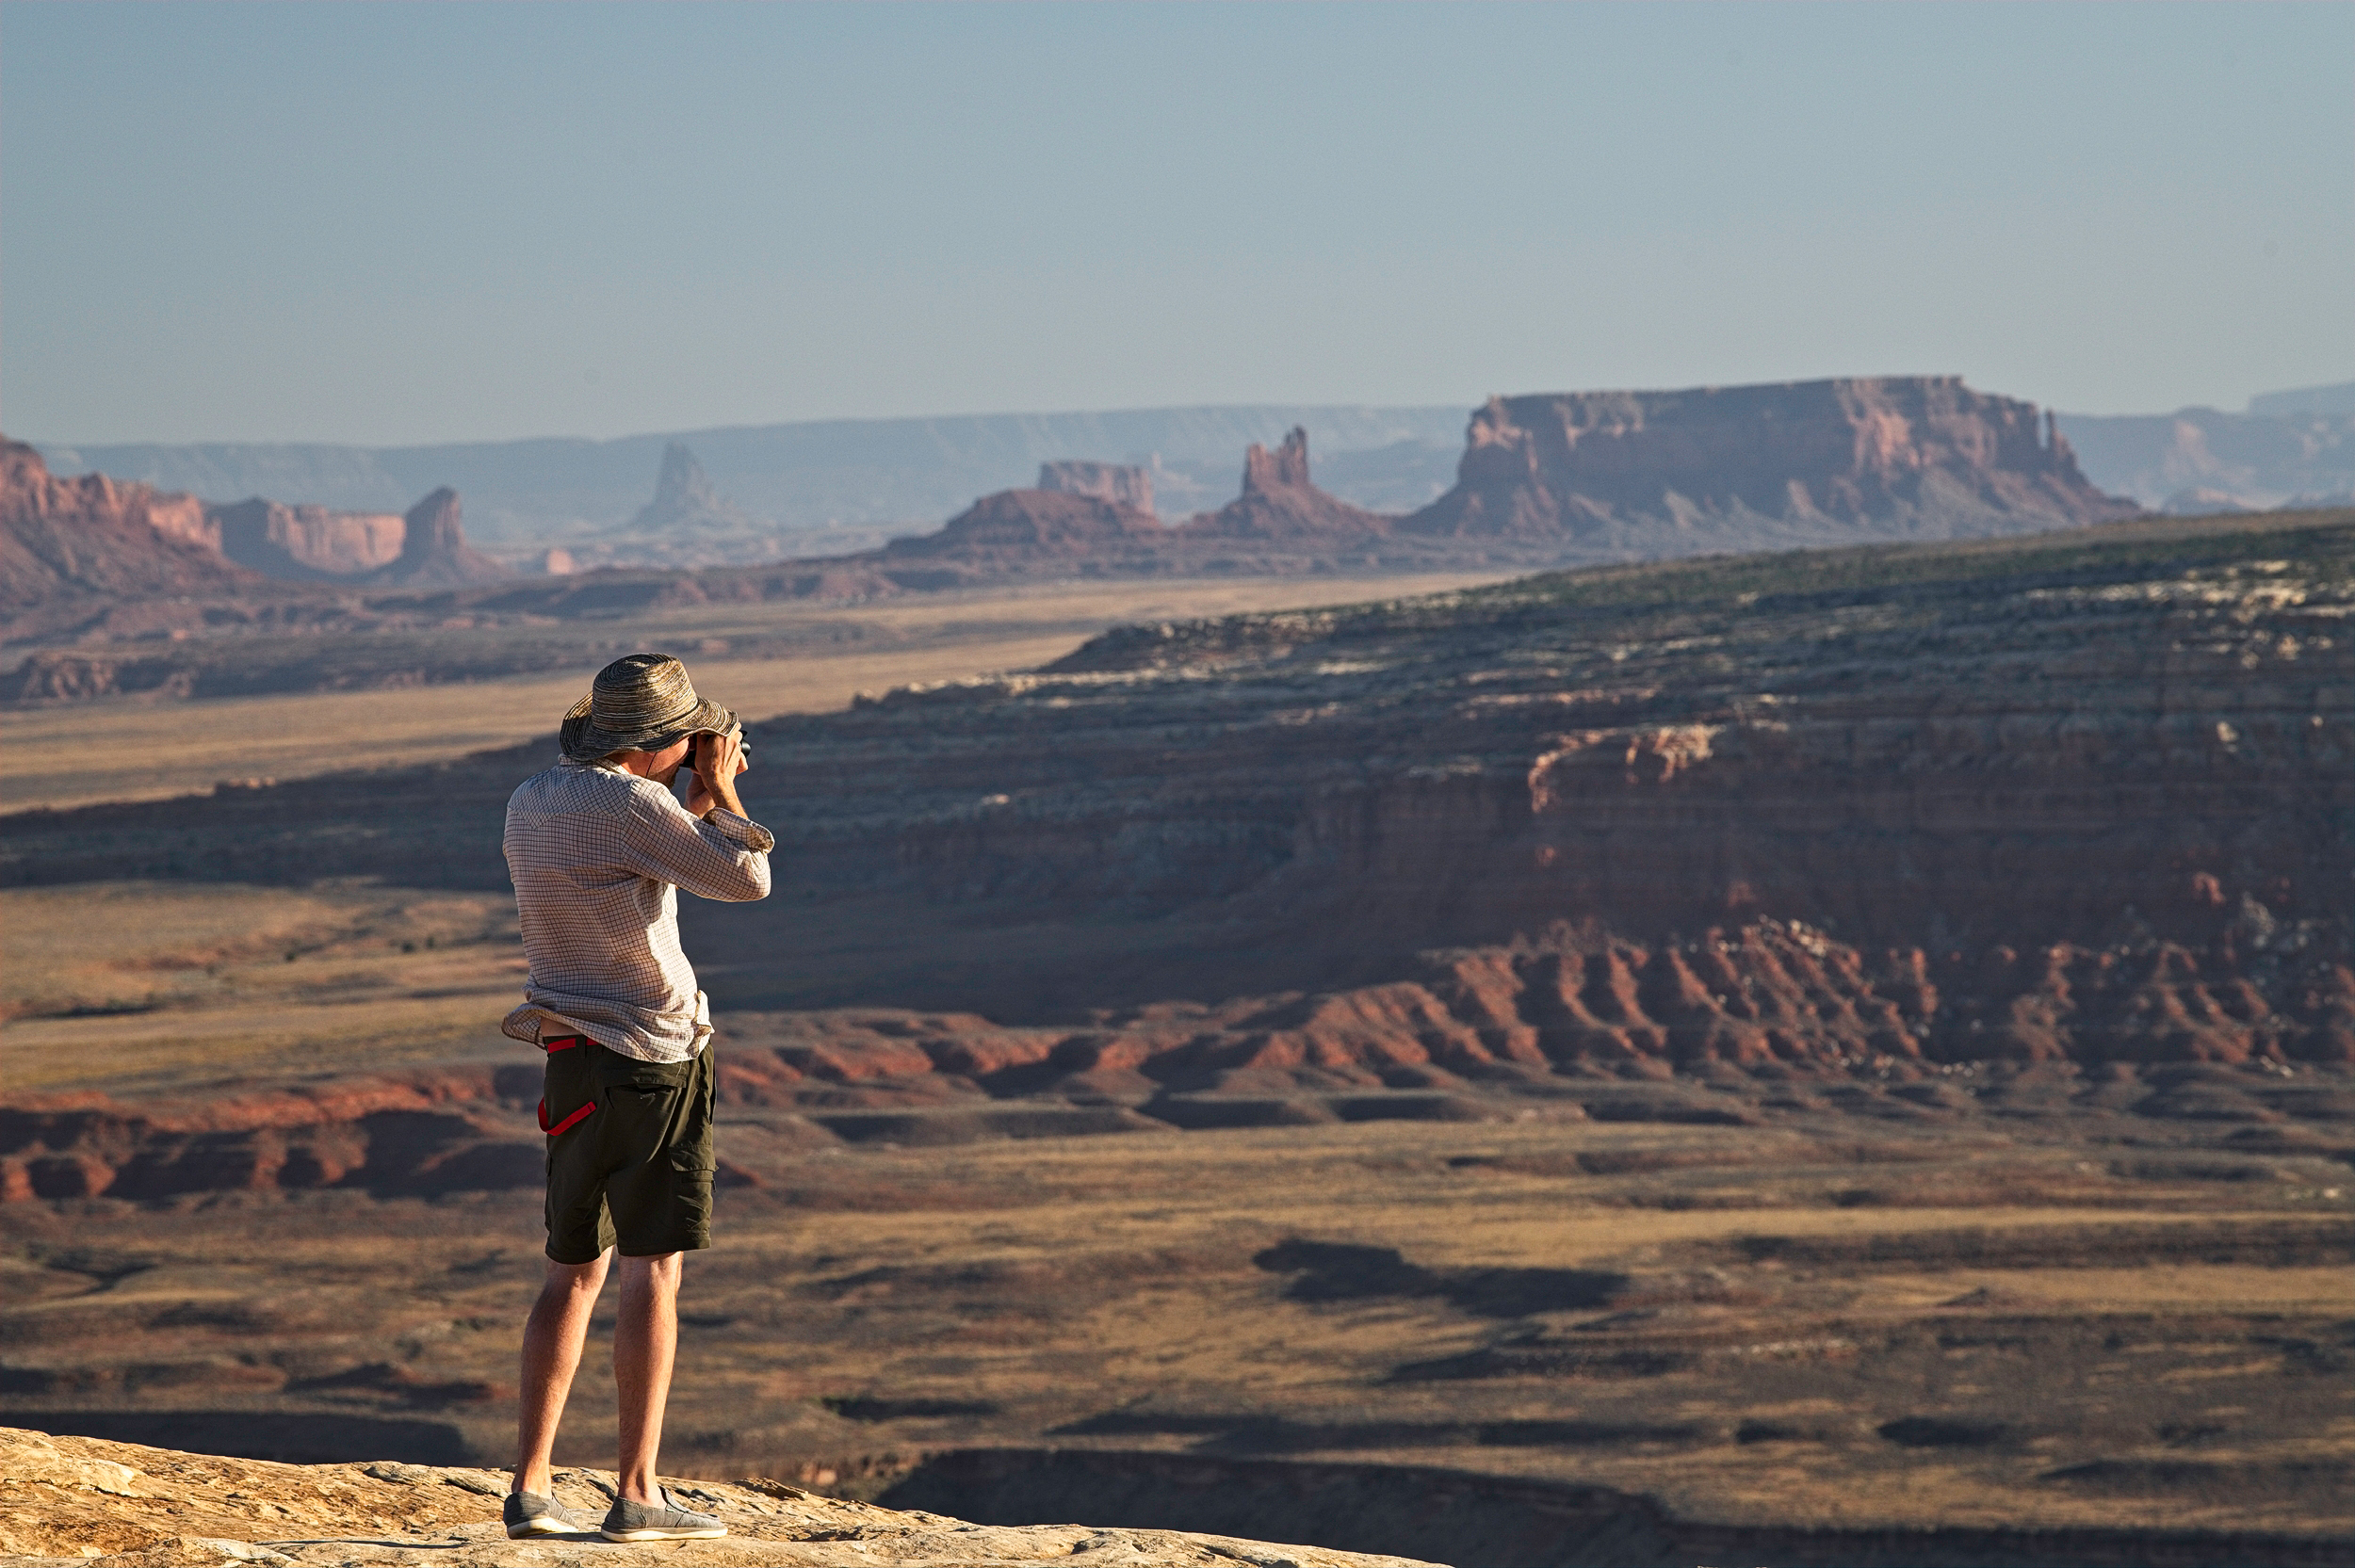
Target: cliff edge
[118,1504]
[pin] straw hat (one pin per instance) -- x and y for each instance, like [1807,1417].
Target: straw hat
[638,703]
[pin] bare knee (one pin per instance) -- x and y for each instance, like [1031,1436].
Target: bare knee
[657,1275]
[569,1282]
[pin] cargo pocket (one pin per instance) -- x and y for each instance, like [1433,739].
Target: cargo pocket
[694,1154]
[569,1092]
[690,1188]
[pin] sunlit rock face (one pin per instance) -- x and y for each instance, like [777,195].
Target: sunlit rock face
[100,538]
[305,543]
[1925,453]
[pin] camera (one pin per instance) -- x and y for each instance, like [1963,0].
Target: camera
[694,742]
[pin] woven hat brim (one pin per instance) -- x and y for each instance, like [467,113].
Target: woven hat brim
[580,738]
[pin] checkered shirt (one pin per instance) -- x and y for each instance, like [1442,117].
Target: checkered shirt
[597,855]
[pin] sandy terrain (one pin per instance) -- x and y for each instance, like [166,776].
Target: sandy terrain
[148,987]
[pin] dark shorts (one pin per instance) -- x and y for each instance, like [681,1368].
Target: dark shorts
[630,1152]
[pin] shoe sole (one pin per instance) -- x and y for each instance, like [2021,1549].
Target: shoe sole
[665,1535]
[532,1528]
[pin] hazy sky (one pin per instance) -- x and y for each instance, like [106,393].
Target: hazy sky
[424,222]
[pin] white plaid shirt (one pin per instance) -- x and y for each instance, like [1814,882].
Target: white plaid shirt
[597,855]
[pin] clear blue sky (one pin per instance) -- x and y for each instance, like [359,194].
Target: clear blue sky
[388,223]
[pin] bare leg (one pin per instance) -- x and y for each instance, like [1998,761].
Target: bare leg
[553,1337]
[645,1343]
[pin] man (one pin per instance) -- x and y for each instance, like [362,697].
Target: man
[598,848]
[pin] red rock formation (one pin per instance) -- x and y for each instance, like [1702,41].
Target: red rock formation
[1924,451]
[1280,504]
[1770,998]
[305,543]
[94,537]
[1285,468]
[1122,484]
[1019,531]
[433,549]
[104,544]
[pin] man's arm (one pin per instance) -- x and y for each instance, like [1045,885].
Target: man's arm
[723,856]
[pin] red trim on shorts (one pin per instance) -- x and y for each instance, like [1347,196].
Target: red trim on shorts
[567,1123]
[562,1043]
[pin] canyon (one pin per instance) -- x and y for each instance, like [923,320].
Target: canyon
[2019,793]
[1844,1056]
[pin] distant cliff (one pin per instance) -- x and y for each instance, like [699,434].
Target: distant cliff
[1122,484]
[305,543]
[1084,521]
[1571,479]
[2197,460]
[95,536]
[75,553]
[1666,473]
[433,549]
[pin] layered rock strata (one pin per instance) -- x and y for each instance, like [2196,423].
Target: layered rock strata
[2084,746]
[1491,1035]
[2082,797]
[1805,462]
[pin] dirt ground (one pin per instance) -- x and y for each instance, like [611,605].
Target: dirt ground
[2064,1319]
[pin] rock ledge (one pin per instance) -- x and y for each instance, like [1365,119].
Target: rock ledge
[78,1500]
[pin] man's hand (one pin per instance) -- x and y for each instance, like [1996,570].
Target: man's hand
[717,759]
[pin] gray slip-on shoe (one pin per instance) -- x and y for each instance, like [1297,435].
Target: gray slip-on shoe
[662,1521]
[528,1514]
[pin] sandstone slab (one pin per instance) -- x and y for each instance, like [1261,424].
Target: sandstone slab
[77,1501]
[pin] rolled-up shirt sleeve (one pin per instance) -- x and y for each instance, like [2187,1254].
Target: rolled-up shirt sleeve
[724,857]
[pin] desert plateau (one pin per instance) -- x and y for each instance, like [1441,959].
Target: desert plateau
[1842,1055]
[1527,787]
